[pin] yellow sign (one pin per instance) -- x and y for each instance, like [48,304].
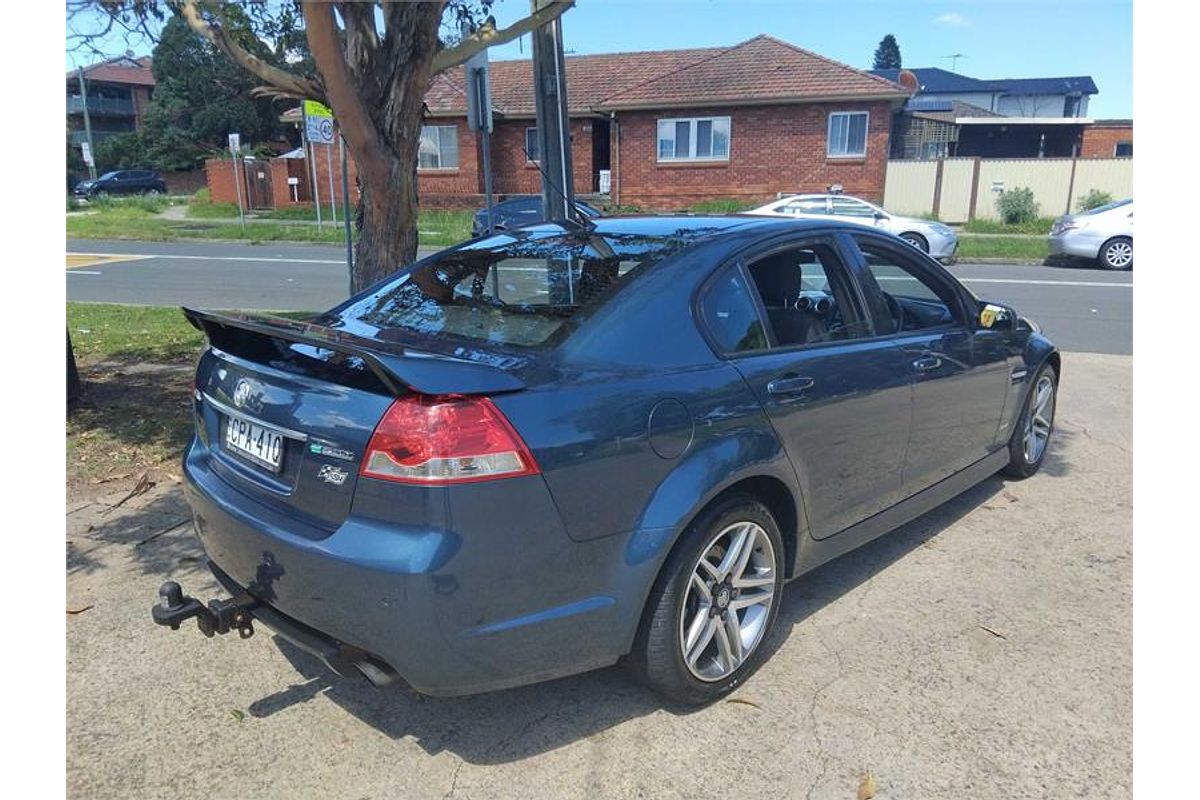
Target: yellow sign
[314,109]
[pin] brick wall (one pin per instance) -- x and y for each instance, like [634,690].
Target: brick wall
[513,174]
[1100,140]
[446,188]
[772,149]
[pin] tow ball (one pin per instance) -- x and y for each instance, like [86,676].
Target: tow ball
[219,616]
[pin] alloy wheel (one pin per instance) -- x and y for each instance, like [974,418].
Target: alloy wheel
[1119,255]
[728,601]
[1041,419]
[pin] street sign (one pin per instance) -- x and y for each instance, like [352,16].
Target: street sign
[87,154]
[479,93]
[235,143]
[318,123]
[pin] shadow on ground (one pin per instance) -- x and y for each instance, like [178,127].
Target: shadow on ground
[511,725]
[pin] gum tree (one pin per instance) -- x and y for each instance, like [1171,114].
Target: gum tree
[372,63]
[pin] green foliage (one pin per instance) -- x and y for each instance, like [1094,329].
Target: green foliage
[1016,248]
[140,202]
[72,203]
[719,205]
[1039,226]
[887,54]
[1017,206]
[123,151]
[1093,199]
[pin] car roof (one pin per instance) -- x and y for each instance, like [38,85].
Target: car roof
[714,224]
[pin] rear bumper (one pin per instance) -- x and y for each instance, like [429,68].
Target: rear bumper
[1076,243]
[493,596]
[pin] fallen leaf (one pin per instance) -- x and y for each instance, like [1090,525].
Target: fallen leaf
[238,714]
[1009,496]
[74,611]
[745,701]
[995,633]
[110,478]
[866,787]
[143,485]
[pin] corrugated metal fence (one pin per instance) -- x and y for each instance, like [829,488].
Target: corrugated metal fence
[961,189]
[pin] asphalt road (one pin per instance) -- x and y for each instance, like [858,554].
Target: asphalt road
[1085,310]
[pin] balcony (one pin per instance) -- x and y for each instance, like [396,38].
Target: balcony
[101,106]
[79,137]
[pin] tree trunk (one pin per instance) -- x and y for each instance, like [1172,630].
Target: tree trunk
[387,219]
[74,385]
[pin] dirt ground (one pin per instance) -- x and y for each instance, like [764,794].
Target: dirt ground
[982,651]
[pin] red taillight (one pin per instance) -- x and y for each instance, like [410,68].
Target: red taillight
[439,440]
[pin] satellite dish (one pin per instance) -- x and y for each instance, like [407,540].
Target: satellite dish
[908,79]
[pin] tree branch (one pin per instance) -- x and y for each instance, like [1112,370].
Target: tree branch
[488,36]
[343,96]
[286,82]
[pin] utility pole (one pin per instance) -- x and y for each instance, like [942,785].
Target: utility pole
[87,125]
[553,123]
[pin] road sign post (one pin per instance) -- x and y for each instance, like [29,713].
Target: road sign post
[318,129]
[479,118]
[235,144]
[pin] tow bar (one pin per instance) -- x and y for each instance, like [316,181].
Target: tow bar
[219,616]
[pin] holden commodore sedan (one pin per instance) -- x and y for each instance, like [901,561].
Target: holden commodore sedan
[1103,234]
[928,236]
[571,445]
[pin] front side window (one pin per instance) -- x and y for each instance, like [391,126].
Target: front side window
[730,317]
[911,299]
[531,145]
[847,134]
[693,139]
[439,147]
[806,294]
[849,207]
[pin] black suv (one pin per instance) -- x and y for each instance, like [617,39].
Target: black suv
[520,210]
[122,181]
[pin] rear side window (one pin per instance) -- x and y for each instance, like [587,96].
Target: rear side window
[807,296]
[517,288]
[728,311]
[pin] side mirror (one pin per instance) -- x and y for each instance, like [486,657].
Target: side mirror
[880,216]
[996,317]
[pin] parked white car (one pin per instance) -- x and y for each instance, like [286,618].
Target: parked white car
[1105,233]
[934,238]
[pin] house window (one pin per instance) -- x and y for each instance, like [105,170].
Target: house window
[847,134]
[693,139]
[1123,150]
[531,145]
[438,148]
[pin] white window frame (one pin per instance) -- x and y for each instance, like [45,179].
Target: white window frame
[829,134]
[693,127]
[440,167]
[529,160]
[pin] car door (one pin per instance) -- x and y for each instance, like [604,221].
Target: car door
[122,183]
[960,371]
[838,398]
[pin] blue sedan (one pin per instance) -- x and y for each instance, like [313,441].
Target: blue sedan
[572,444]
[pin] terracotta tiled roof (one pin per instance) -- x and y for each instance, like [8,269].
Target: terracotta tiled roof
[119,70]
[762,69]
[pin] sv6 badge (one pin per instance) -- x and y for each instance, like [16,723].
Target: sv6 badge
[331,474]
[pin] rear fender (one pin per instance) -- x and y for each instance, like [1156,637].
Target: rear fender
[702,475]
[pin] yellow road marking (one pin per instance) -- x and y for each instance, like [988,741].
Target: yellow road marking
[78,260]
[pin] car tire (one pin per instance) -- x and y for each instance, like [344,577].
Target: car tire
[676,607]
[1030,440]
[916,240]
[1116,253]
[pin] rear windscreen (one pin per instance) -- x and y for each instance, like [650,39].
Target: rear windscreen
[517,289]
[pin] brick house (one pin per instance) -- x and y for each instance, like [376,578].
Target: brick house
[118,92]
[672,128]
[1108,138]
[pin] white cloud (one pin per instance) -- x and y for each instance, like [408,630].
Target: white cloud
[952,20]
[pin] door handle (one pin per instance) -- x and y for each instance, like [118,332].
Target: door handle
[927,363]
[789,384]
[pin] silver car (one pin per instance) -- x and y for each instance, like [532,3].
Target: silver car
[932,237]
[1105,234]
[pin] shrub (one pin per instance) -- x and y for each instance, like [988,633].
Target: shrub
[141,202]
[1093,199]
[720,205]
[1017,206]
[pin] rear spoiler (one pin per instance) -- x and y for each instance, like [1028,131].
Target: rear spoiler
[400,369]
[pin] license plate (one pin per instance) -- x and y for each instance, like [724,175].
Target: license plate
[261,445]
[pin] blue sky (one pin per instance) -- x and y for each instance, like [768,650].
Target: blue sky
[999,38]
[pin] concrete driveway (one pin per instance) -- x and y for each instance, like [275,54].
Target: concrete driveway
[982,651]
